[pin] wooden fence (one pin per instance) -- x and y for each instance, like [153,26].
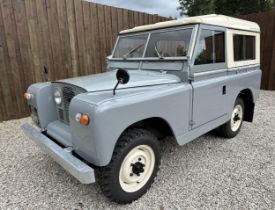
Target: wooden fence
[73,37]
[67,37]
[266,21]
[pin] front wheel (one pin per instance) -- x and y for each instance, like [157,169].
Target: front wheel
[133,167]
[233,126]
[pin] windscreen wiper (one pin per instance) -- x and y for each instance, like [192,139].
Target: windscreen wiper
[157,51]
[132,50]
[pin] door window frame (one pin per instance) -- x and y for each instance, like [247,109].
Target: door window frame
[211,66]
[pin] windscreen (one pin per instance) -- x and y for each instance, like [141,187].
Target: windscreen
[169,44]
[130,46]
[161,44]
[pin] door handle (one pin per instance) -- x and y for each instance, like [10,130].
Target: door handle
[224,89]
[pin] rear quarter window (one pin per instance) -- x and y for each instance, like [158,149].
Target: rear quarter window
[244,47]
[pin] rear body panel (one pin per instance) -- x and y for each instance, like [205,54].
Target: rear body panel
[215,97]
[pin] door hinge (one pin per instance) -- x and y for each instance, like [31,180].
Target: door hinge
[191,122]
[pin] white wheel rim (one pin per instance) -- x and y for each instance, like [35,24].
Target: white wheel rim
[236,118]
[130,181]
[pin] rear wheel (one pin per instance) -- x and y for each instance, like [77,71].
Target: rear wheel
[233,126]
[133,167]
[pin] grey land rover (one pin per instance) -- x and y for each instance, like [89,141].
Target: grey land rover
[179,78]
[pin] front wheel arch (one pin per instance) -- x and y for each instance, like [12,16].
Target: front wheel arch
[157,125]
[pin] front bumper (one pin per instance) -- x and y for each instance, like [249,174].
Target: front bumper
[80,170]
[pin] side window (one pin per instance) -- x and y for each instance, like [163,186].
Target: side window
[244,47]
[210,48]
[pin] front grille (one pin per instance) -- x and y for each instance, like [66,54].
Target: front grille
[67,94]
[61,115]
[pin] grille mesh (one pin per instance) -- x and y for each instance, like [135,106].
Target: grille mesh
[68,93]
[61,115]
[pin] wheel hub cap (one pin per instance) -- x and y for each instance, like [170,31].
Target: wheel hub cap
[236,118]
[136,168]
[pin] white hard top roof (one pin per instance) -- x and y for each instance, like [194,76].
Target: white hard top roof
[213,19]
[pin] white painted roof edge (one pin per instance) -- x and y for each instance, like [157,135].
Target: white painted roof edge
[213,19]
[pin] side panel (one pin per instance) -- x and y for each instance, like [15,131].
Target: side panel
[111,117]
[240,80]
[209,97]
[236,81]
[215,84]
[209,100]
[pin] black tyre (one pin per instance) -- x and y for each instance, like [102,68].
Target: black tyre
[231,128]
[133,167]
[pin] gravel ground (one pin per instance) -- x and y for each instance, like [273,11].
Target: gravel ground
[208,173]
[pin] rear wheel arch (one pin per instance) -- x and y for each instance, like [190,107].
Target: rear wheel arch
[247,96]
[232,127]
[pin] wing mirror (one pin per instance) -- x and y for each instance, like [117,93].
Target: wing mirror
[122,77]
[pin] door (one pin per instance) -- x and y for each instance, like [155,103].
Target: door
[209,76]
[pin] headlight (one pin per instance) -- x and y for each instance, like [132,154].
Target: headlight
[57,97]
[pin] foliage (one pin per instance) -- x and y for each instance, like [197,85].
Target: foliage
[172,18]
[226,7]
